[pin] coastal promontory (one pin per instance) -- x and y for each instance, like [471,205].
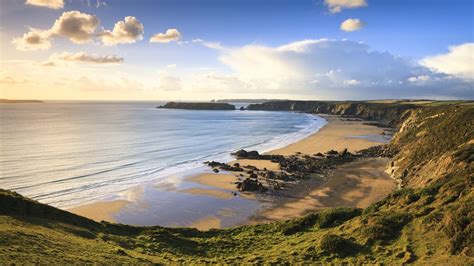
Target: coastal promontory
[19,101]
[197,106]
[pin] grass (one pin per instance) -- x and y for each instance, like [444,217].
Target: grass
[430,221]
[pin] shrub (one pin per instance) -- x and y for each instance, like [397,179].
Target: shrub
[334,244]
[337,216]
[384,227]
[324,219]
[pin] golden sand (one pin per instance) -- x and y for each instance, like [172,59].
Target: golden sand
[100,211]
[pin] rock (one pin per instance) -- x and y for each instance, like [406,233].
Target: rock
[215,170]
[236,164]
[240,154]
[251,185]
[251,167]
[270,174]
[224,166]
[253,175]
[253,154]
[319,154]
[332,152]
[242,108]
[345,154]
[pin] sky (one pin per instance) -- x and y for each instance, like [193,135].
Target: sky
[215,49]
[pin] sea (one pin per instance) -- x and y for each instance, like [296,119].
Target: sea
[68,153]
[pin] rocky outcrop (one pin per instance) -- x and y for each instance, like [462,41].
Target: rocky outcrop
[197,106]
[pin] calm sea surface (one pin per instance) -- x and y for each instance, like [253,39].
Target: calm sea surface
[68,153]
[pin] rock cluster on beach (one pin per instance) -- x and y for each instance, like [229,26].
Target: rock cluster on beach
[292,168]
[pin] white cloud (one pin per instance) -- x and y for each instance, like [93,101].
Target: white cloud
[76,26]
[351,82]
[128,31]
[352,24]
[33,40]
[421,78]
[459,61]
[85,58]
[169,36]
[336,6]
[54,4]
[213,45]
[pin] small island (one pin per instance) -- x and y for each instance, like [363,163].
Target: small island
[197,106]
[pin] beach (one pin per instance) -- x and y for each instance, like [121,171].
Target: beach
[354,184]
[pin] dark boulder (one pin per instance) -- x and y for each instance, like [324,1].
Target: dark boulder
[253,154]
[251,185]
[240,154]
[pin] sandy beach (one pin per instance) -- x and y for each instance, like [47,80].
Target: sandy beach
[355,184]
[100,211]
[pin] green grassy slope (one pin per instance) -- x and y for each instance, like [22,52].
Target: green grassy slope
[429,221]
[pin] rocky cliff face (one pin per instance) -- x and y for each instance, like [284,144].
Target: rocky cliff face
[198,106]
[433,142]
[387,113]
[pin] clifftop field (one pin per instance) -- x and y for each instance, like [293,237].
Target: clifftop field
[428,221]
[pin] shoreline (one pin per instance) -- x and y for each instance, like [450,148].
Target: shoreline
[337,134]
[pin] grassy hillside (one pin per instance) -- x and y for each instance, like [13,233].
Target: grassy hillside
[429,220]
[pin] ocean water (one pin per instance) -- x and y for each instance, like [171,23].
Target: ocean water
[69,153]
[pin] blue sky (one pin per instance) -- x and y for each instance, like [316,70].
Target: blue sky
[412,29]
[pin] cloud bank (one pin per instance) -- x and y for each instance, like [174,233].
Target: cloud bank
[86,58]
[352,24]
[459,61]
[54,4]
[333,69]
[336,6]
[169,36]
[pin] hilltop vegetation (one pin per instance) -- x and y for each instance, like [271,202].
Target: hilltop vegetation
[429,220]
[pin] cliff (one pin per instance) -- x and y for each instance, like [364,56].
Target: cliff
[429,221]
[387,113]
[198,106]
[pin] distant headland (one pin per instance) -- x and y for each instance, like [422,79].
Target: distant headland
[20,101]
[245,100]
